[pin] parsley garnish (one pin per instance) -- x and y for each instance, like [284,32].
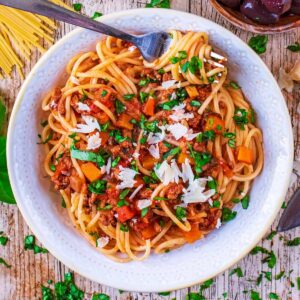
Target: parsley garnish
[172,152]
[271,235]
[106,207]
[234,85]
[122,202]
[274,296]
[44,123]
[84,96]
[144,81]
[120,107]
[231,138]
[294,47]
[148,126]
[29,244]
[96,15]
[279,275]
[241,118]
[123,194]
[124,227]
[180,213]
[77,6]
[88,156]
[268,275]
[194,65]
[161,71]
[238,271]
[3,262]
[143,97]
[195,103]
[200,159]
[115,161]
[3,239]
[208,135]
[100,297]
[255,295]
[245,202]
[128,96]
[117,135]
[164,293]
[63,203]
[212,184]
[294,242]
[98,186]
[181,55]
[47,293]
[228,214]
[144,212]
[169,104]
[216,203]
[259,43]
[48,138]
[270,258]
[159,4]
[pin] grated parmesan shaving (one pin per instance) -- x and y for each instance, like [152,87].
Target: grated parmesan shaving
[187,172]
[167,84]
[154,138]
[144,203]
[177,130]
[126,175]
[74,80]
[180,114]
[131,48]
[94,141]
[135,155]
[168,173]
[102,242]
[136,191]
[91,125]
[154,151]
[219,223]
[108,166]
[83,107]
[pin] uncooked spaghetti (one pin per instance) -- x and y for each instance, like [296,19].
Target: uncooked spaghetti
[150,156]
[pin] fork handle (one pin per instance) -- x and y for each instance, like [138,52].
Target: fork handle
[51,10]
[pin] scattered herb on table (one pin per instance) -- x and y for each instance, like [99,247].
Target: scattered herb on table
[3,262]
[294,242]
[283,206]
[77,6]
[259,279]
[3,239]
[259,43]
[268,275]
[254,295]
[273,296]
[279,275]
[270,258]
[96,15]
[100,297]
[228,214]
[159,4]
[29,244]
[294,47]
[164,293]
[238,271]
[271,235]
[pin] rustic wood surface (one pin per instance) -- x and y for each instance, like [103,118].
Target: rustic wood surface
[29,271]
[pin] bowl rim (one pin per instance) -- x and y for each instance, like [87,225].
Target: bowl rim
[43,238]
[225,12]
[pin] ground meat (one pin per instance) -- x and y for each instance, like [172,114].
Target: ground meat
[167,77]
[124,150]
[162,148]
[204,92]
[145,193]
[106,95]
[62,173]
[174,190]
[134,108]
[195,122]
[106,217]
[200,147]
[210,222]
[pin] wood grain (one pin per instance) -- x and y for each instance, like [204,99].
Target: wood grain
[29,271]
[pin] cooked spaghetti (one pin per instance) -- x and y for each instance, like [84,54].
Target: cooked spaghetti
[150,155]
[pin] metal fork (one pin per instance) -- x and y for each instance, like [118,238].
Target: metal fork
[151,45]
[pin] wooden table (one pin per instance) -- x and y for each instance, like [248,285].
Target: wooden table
[29,271]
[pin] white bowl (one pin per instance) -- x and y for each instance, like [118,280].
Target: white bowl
[191,264]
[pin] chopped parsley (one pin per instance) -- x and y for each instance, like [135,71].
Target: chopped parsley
[254,295]
[228,214]
[52,168]
[172,152]
[181,55]
[148,126]
[44,123]
[270,258]
[159,4]
[194,65]
[3,262]
[100,297]
[115,162]
[238,271]
[144,81]
[84,96]
[122,202]
[144,212]
[208,135]
[104,93]
[268,275]
[47,293]
[283,206]
[169,104]
[206,284]
[274,296]
[231,138]
[279,275]
[77,6]
[259,279]
[294,242]
[181,94]
[88,156]
[96,15]
[294,47]
[216,204]
[212,184]
[63,203]
[195,103]
[29,244]
[259,43]
[124,227]
[123,194]
[245,202]
[234,85]
[128,96]
[48,138]
[164,293]
[271,235]
[104,127]
[98,186]
[116,134]
[3,239]
[161,71]
[200,159]
[143,97]
[180,213]
[106,207]
[241,118]
[120,107]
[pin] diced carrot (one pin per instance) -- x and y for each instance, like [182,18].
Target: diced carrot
[104,137]
[148,162]
[138,181]
[124,121]
[102,118]
[192,91]
[245,155]
[193,235]
[214,123]
[75,183]
[227,171]
[149,107]
[183,156]
[90,171]
[148,232]
[124,213]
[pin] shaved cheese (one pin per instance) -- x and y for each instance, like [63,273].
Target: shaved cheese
[219,223]
[136,191]
[83,106]
[180,114]
[126,175]
[176,170]
[177,130]
[94,141]
[190,135]
[131,48]
[144,203]
[136,155]
[108,165]
[74,80]
[167,84]
[90,126]
[210,202]
[196,191]
[102,242]
[187,172]
[154,151]
[154,138]
[173,96]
